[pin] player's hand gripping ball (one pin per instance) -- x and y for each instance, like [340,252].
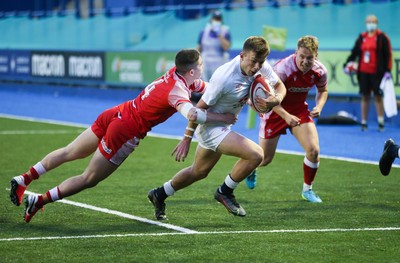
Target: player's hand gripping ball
[260,88]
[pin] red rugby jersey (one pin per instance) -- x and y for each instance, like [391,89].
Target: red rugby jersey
[158,101]
[298,84]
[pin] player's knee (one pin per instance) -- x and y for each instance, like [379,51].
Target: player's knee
[257,157]
[260,158]
[313,154]
[267,160]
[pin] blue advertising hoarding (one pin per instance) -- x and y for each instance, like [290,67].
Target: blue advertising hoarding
[15,64]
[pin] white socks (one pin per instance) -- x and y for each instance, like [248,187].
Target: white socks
[230,183]
[169,190]
[306,187]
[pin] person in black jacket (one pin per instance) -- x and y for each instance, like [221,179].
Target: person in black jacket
[372,52]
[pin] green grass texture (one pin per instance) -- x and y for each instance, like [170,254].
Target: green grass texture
[358,221]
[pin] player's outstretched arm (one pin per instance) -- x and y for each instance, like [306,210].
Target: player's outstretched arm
[200,115]
[182,149]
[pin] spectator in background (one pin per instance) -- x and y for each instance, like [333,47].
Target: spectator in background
[391,151]
[214,42]
[373,52]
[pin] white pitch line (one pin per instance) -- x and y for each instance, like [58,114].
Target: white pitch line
[65,123]
[23,132]
[206,233]
[124,215]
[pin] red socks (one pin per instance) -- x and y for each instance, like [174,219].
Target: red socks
[34,174]
[309,174]
[310,170]
[40,202]
[27,179]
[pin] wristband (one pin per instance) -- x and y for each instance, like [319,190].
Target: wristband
[201,116]
[188,136]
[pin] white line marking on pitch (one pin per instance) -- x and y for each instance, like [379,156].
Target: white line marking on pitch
[23,132]
[124,215]
[205,233]
[24,118]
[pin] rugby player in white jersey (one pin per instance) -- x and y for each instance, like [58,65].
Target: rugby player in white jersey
[228,92]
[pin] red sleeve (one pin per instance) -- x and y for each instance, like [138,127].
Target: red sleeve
[198,86]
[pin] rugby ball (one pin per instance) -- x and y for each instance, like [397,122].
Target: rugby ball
[260,88]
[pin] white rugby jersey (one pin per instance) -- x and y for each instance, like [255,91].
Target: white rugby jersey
[228,89]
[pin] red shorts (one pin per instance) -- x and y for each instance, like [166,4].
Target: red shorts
[272,125]
[117,135]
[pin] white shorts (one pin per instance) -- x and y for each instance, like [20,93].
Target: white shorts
[210,137]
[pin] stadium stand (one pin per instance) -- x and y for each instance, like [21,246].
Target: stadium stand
[185,9]
[138,30]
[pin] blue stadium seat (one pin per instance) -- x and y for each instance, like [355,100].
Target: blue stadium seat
[119,7]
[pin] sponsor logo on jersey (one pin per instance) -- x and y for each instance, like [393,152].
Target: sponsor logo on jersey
[105,148]
[299,89]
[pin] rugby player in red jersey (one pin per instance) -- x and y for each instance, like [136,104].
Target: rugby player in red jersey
[117,132]
[300,72]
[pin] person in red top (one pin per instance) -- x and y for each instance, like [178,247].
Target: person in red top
[373,52]
[300,72]
[117,132]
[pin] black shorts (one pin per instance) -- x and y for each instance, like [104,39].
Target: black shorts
[369,83]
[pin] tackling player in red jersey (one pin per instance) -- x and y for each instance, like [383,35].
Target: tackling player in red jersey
[117,132]
[299,72]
